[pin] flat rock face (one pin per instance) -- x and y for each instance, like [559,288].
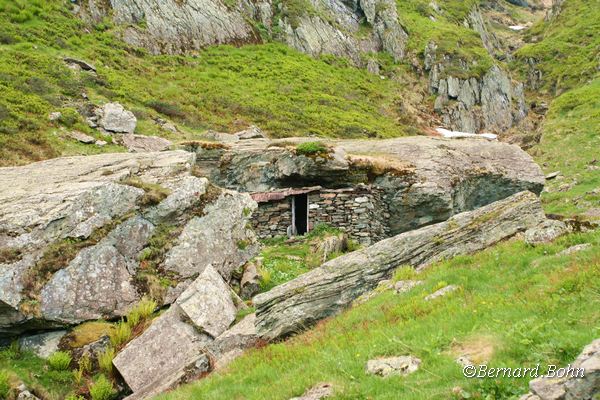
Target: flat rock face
[98,283]
[219,238]
[42,344]
[173,26]
[207,302]
[322,292]
[167,346]
[144,144]
[431,179]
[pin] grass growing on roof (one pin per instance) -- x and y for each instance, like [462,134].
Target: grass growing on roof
[544,313]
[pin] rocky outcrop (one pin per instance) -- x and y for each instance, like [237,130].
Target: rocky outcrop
[423,180]
[326,290]
[72,235]
[492,102]
[580,380]
[315,28]
[174,26]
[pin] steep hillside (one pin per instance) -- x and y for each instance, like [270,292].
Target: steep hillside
[223,88]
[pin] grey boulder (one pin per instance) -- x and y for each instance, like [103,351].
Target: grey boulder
[546,232]
[113,117]
[42,344]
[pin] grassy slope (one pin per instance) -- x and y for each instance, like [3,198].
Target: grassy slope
[224,88]
[568,52]
[545,313]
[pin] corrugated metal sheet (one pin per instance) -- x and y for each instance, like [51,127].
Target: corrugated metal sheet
[280,194]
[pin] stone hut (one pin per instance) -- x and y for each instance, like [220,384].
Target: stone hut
[360,211]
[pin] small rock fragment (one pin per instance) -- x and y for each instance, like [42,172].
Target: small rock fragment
[546,232]
[405,286]
[81,137]
[392,366]
[575,249]
[441,292]
[317,392]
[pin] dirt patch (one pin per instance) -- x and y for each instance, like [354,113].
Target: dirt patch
[479,349]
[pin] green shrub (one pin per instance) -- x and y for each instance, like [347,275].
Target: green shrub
[311,148]
[69,117]
[59,361]
[4,384]
[105,359]
[102,389]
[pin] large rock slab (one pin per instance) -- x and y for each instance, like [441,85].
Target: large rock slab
[98,283]
[144,144]
[208,304]
[165,349]
[326,290]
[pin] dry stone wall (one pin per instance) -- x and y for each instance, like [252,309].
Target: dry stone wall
[360,211]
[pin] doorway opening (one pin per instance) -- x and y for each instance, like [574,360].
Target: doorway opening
[300,213]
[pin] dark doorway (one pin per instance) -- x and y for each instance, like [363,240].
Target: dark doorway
[300,205]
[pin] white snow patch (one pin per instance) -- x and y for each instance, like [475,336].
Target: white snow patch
[517,27]
[454,134]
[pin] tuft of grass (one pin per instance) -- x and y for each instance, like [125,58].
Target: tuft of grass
[59,361]
[105,360]
[141,312]
[9,255]
[102,389]
[4,384]
[154,193]
[312,149]
[121,334]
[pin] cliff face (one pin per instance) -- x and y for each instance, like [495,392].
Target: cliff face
[314,27]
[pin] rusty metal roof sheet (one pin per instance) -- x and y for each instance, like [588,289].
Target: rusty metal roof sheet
[280,194]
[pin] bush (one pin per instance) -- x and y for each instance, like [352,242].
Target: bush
[311,148]
[59,361]
[105,360]
[4,384]
[102,389]
[69,117]
[168,109]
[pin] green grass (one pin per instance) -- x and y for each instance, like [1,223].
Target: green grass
[567,47]
[545,313]
[34,372]
[283,261]
[225,88]
[59,361]
[448,32]
[570,143]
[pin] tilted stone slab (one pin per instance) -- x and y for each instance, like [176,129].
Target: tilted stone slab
[165,349]
[326,290]
[208,304]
